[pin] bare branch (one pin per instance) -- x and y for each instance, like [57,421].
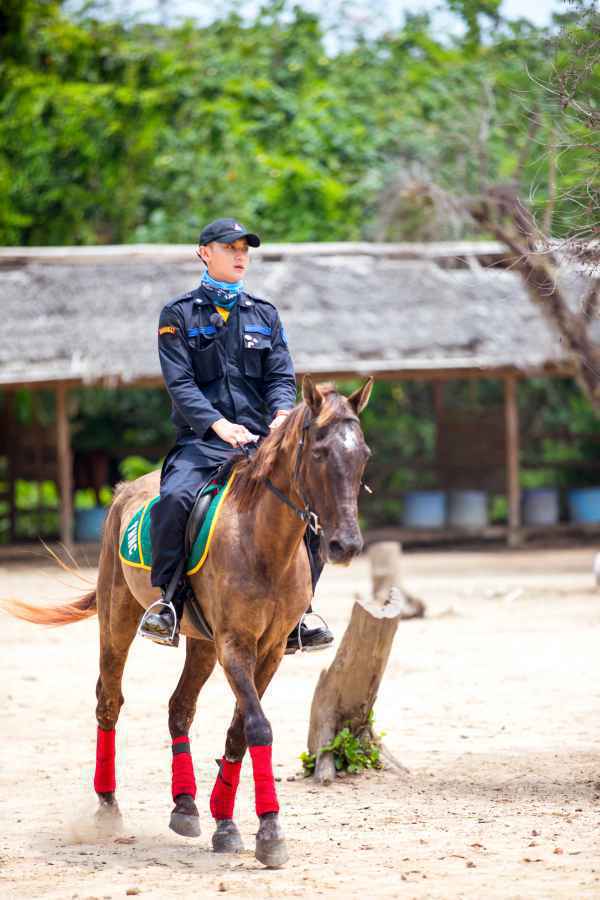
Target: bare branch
[591,301]
[549,210]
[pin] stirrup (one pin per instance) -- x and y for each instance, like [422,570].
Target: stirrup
[301,648]
[173,639]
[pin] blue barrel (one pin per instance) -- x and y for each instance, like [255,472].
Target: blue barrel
[540,506]
[89,523]
[467,509]
[424,509]
[584,504]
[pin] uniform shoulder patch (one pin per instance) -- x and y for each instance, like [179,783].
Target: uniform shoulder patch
[167,329]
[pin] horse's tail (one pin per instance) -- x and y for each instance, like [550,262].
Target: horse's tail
[62,614]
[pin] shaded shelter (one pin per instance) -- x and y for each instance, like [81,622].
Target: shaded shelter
[88,316]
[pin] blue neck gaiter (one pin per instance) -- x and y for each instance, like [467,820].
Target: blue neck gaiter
[221,293]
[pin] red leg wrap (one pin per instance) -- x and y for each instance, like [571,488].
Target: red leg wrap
[222,799]
[264,783]
[183,781]
[104,776]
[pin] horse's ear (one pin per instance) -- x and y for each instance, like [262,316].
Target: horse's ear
[360,397]
[312,395]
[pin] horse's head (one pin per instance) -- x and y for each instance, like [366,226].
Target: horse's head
[333,461]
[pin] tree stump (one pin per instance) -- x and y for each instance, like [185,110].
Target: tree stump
[347,690]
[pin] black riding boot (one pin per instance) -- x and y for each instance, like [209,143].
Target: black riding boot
[303,637]
[160,622]
[309,639]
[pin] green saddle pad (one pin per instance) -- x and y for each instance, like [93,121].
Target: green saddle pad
[136,546]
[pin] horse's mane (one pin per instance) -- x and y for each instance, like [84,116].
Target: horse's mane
[252,471]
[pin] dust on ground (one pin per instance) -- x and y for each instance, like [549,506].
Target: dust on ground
[492,702]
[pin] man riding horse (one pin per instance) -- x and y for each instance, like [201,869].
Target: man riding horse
[229,373]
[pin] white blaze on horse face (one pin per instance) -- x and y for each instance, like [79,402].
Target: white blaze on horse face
[349,439]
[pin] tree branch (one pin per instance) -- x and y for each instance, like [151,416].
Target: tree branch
[591,301]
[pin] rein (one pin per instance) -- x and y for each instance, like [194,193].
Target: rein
[308,516]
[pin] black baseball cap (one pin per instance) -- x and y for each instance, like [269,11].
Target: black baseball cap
[226,231]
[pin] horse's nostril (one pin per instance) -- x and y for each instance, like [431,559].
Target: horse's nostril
[345,550]
[335,548]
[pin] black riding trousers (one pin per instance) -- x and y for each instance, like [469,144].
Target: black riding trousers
[184,472]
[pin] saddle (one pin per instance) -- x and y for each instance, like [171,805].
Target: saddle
[200,508]
[136,545]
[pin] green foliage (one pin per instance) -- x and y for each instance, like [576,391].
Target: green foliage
[560,439]
[85,498]
[29,495]
[120,131]
[135,466]
[399,425]
[472,12]
[308,762]
[561,435]
[108,418]
[575,101]
[351,753]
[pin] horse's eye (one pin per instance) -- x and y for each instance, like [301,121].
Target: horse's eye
[320,454]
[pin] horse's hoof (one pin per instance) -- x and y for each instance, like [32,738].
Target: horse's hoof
[108,802]
[227,838]
[108,819]
[270,842]
[108,807]
[184,818]
[186,826]
[271,853]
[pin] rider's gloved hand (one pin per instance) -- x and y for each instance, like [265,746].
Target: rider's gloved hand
[233,434]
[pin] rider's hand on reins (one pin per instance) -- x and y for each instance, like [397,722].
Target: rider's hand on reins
[233,434]
[280,417]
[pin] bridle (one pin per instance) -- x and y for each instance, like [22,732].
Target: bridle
[308,515]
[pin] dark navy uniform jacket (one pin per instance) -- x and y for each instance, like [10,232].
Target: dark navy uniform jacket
[241,371]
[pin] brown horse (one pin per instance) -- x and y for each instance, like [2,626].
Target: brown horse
[253,588]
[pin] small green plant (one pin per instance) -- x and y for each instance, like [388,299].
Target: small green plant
[351,753]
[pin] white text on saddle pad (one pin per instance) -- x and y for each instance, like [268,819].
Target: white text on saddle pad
[132,538]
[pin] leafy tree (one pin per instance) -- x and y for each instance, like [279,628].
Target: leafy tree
[114,130]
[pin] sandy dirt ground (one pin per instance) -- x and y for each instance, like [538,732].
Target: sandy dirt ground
[492,702]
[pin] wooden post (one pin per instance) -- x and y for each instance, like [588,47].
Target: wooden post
[65,467]
[513,490]
[346,692]
[438,411]
[438,399]
[12,486]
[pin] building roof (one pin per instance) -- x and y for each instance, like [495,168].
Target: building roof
[89,314]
